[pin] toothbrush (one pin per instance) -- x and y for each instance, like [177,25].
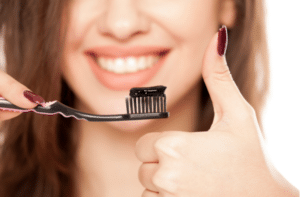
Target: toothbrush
[143,103]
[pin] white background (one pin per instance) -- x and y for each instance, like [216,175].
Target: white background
[282,113]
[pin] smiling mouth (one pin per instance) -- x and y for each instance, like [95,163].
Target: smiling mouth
[121,68]
[128,64]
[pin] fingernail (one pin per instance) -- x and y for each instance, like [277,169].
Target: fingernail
[32,97]
[222,40]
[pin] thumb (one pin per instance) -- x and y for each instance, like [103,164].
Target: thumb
[225,95]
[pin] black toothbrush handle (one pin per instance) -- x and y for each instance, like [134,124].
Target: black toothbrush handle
[59,108]
[66,111]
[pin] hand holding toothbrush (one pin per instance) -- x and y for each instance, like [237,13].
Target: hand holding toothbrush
[227,160]
[17,94]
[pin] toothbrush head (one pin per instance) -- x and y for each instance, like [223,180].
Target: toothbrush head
[146,100]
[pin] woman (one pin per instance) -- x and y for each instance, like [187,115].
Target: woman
[48,47]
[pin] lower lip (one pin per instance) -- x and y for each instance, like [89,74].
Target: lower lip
[124,81]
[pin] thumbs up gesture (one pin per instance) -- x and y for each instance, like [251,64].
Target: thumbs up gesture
[227,160]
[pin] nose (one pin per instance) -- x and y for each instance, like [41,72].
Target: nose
[122,20]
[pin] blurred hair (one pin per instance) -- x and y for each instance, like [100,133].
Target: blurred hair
[37,157]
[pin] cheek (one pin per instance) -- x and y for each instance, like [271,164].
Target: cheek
[191,26]
[82,17]
[185,21]
[192,30]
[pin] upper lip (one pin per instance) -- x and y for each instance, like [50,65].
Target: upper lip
[116,51]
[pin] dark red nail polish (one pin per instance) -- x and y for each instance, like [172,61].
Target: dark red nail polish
[222,40]
[34,98]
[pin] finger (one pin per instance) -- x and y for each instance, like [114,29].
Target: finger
[163,178]
[154,147]
[13,91]
[144,148]
[146,172]
[225,95]
[7,115]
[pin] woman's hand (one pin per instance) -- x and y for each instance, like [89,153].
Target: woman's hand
[227,160]
[12,90]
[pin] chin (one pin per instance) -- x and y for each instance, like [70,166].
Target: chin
[132,125]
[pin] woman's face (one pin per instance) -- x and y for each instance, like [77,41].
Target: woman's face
[114,45]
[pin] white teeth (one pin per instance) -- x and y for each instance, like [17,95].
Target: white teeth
[102,61]
[119,66]
[131,65]
[127,65]
[109,65]
[141,63]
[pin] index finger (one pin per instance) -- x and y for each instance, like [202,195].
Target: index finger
[13,91]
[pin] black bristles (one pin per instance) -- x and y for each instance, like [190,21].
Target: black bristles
[139,104]
[135,111]
[165,104]
[143,104]
[131,105]
[161,104]
[157,104]
[127,105]
[149,104]
[146,104]
[154,104]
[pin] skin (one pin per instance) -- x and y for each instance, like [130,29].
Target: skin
[97,23]
[163,157]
